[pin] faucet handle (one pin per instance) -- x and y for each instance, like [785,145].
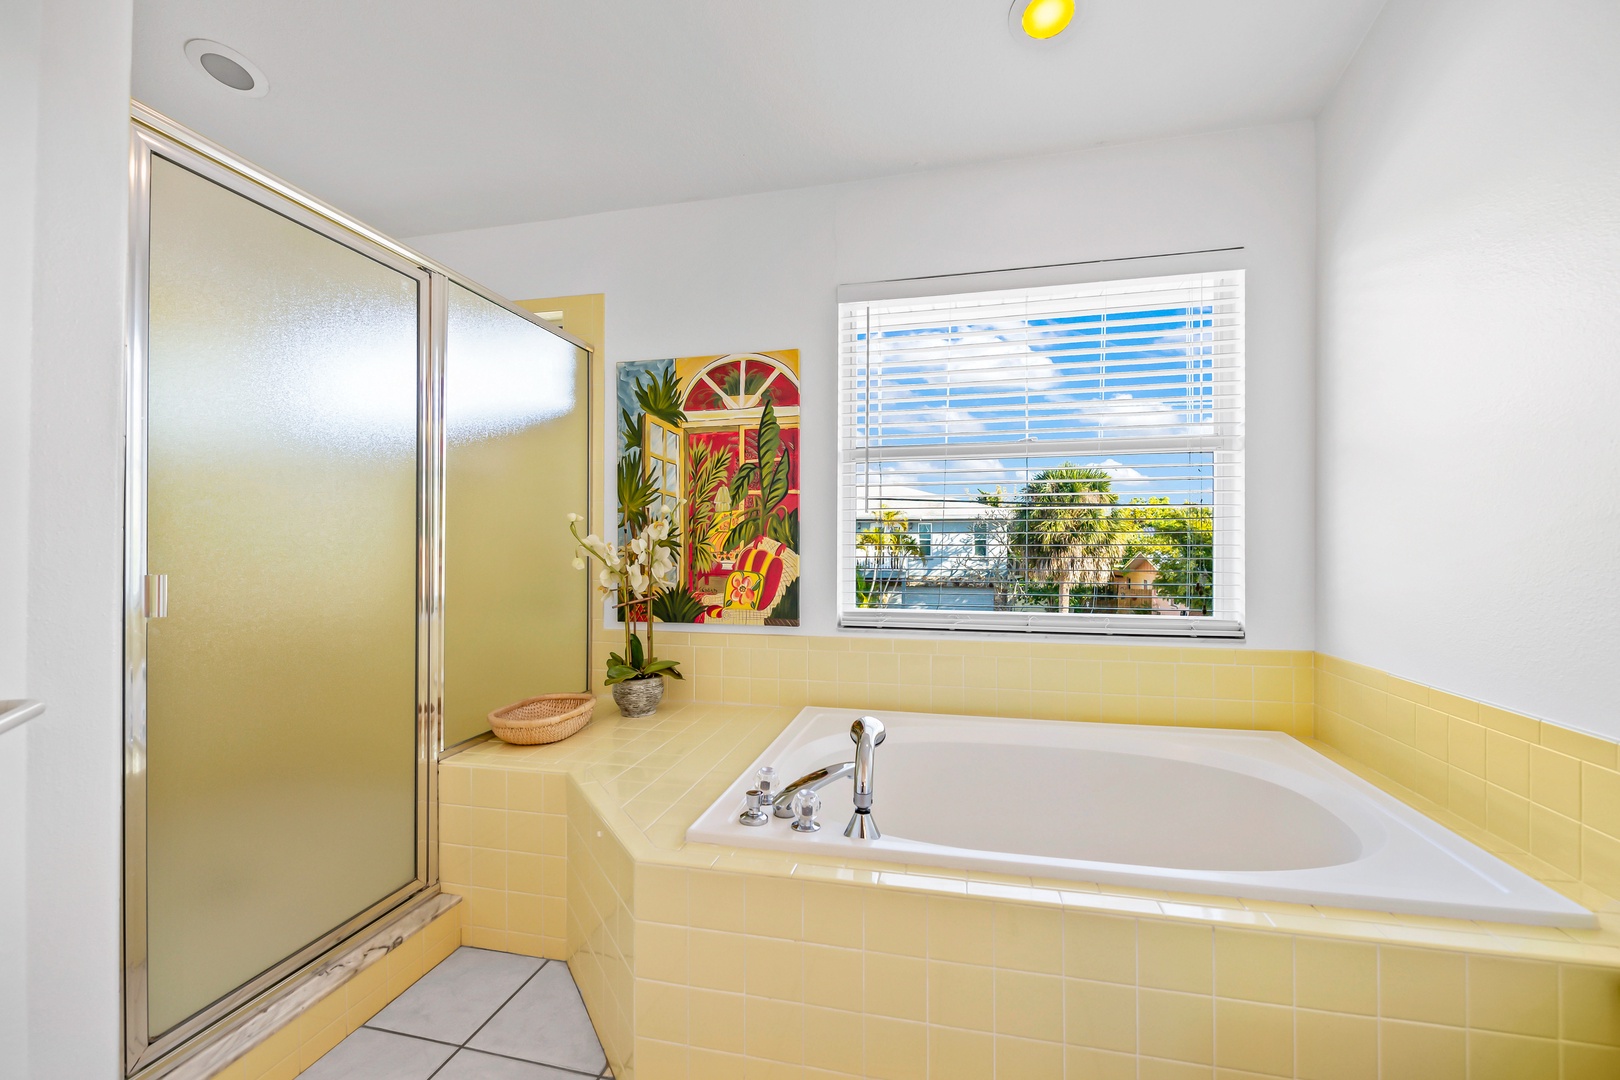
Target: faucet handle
[754,814]
[806,804]
[765,781]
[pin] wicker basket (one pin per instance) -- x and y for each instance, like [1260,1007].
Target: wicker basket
[546,719]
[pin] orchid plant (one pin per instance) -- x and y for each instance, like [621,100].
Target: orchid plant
[633,575]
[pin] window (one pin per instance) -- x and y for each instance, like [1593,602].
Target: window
[661,461]
[1081,445]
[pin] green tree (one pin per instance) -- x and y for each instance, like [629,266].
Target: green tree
[1180,539]
[890,544]
[1059,531]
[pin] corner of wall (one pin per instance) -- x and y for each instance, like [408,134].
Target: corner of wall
[75,538]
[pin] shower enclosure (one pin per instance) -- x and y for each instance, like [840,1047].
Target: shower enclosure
[343,463]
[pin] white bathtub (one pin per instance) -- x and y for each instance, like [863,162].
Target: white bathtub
[1231,813]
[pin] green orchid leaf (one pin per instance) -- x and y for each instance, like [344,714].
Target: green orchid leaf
[618,673]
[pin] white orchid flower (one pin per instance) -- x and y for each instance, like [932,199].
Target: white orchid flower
[647,562]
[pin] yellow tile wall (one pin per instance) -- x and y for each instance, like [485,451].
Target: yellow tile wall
[751,975]
[1541,788]
[699,973]
[1049,680]
[503,848]
[300,1043]
[601,932]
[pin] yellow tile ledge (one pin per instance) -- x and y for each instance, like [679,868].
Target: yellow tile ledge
[701,961]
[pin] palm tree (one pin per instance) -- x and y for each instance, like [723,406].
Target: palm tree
[889,542]
[1062,529]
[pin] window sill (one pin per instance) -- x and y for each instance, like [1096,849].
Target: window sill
[1007,622]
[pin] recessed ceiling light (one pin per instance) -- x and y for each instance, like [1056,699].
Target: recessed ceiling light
[1041,20]
[227,67]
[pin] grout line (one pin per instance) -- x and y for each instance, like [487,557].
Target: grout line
[544,962]
[526,1061]
[488,1018]
[408,1035]
[507,1002]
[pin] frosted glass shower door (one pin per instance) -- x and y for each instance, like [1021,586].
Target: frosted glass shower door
[515,418]
[283,410]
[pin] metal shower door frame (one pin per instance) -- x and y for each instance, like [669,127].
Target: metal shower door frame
[153,134]
[142,1046]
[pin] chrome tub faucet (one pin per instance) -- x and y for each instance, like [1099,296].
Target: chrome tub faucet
[867,734]
[782,803]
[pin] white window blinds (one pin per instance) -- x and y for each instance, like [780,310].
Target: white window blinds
[1050,459]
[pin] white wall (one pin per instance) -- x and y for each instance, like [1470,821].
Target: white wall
[1470,354]
[19,78]
[761,272]
[19,89]
[74,520]
[14,895]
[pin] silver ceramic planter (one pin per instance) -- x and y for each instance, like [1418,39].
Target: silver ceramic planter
[639,697]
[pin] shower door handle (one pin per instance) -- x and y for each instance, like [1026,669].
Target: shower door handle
[155,596]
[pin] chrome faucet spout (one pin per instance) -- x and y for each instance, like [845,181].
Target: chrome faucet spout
[782,803]
[867,733]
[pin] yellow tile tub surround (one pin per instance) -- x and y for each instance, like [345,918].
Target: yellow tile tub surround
[706,962]
[299,1044]
[1042,678]
[1528,786]
[503,848]
[1545,798]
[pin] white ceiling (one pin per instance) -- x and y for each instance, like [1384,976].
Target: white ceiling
[425,116]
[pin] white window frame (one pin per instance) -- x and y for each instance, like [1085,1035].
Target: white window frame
[1226,445]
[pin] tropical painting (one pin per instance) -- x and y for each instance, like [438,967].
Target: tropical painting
[717,437]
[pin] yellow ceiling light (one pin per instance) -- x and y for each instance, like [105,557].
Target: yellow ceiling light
[1043,19]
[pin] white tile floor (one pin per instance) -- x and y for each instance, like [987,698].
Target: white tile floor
[479,1015]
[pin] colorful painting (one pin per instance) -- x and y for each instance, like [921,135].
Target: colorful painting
[717,436]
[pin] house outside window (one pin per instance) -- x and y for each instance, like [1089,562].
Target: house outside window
[1057,459]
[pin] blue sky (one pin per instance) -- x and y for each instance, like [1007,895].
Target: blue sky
[1149,371]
